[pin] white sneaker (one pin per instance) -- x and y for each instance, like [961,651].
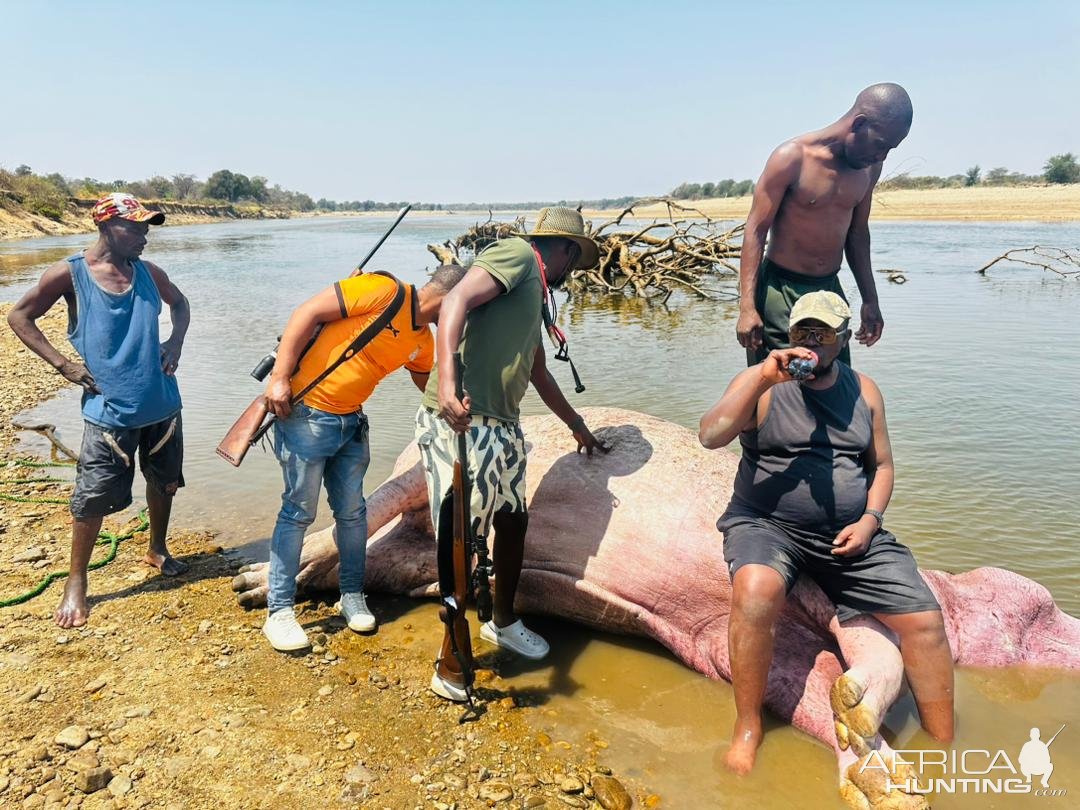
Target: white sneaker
[284,631]
[517,638]
[354,608]
[444,689]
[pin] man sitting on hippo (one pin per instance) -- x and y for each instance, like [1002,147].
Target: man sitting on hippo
[814,480]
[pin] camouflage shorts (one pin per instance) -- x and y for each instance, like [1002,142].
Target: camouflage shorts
[496,459]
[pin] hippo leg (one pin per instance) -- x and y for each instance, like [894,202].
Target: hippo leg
[863,759]
[862,695]
[318,571]
[402,494]
[859,698]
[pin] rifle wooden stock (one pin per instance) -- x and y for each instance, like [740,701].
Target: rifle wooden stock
[245,431]
[461,555]
[252,424]
[462,547]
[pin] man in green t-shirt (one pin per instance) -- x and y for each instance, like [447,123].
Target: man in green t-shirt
[493,318]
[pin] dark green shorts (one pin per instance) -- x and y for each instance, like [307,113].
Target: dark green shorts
[777,291]
[885,579]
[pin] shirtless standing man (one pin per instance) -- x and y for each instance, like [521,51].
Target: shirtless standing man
[813,201]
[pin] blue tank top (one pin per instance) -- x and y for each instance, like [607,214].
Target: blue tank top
[116,334]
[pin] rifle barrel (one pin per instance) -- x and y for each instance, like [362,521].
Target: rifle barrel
[1056,735]
[401,215]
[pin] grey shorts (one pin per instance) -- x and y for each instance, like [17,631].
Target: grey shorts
[883,580]
[106,468]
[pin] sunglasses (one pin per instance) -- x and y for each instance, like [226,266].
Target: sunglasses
[822,335]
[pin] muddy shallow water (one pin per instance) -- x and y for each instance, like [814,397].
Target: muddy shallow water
[980,390]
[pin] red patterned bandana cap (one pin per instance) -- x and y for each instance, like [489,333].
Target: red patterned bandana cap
[123,205]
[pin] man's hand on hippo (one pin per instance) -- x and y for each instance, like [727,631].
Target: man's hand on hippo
[870,324]
[279,396]
[750,330]
[774,369]
[853,540]
[80,375]
[585,438]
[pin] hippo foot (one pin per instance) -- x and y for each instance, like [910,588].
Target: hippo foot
[857,722]
[251,585]
[872,788]
[318,571]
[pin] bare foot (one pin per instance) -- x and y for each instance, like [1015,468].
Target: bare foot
[744,745]
[73,610]
[168,565]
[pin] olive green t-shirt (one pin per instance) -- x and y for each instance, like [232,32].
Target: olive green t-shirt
[501,337]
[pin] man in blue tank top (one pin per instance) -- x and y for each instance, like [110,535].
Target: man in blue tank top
[131,402]
[813,484]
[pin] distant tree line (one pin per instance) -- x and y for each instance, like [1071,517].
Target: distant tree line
[708,191]
[532,205]
[1057,169]
[49,194]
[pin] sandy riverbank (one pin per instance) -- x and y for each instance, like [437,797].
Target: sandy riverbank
[174,690]
[18,223]
[1057,203]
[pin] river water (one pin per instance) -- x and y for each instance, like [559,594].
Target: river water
[981,376]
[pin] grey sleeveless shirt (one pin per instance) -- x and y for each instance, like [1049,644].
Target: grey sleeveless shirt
[803,465]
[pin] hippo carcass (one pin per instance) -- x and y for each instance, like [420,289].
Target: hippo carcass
[627,542]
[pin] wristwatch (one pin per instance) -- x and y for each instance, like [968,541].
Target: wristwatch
[879,516]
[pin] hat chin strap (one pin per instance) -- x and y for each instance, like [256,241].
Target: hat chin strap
[549,312]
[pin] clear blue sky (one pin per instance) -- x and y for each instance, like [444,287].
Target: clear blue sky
[520,101]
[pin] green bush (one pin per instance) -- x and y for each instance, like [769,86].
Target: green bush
[39,195]
[1062,169]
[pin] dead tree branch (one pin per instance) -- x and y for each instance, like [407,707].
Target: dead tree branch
[49,432]
[1065,262]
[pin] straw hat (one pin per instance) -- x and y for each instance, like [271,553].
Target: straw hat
[566,223]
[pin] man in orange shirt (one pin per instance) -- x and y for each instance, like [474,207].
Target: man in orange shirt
[325,436]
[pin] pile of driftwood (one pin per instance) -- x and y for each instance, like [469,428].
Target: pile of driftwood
[686,250]
[478,237]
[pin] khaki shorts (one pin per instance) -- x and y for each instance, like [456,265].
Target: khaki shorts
[496,460]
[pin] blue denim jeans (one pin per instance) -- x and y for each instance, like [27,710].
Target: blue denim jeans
[314,446]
